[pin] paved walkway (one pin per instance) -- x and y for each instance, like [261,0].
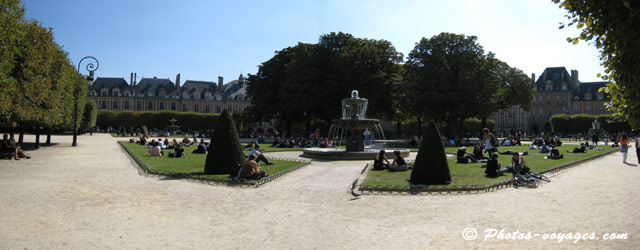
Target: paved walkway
[91,196]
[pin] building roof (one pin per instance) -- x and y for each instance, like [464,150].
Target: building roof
[108,83]
[589,87]
[557,76]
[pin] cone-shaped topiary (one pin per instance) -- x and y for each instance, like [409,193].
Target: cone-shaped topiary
[225,151]
[431,166]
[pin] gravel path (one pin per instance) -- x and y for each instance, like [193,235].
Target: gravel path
[92,196]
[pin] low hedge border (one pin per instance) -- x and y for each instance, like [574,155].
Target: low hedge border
[238,182]
[451,189]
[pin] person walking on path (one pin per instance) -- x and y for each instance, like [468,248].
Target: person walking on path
[637,150]
[624,146]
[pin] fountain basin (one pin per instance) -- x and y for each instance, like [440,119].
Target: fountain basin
[343,154]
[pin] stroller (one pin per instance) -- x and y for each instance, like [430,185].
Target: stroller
[522,177]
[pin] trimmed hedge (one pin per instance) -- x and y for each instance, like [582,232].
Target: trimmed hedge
[569,124]
[156,119]
[431,166]
[225,150]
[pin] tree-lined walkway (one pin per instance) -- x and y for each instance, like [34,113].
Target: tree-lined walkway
[91,196]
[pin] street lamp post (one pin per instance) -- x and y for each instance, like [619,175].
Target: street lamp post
[90,68]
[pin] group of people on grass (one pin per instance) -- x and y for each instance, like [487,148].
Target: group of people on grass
[10,149]
[156,147]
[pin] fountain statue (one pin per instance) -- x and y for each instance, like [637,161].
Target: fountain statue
[351,125]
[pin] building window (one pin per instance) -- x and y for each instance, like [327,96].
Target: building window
[104,104]
[126,104]
[576,109]
[587,96]
[564,86]
[139,105]
[161,106]
[557,99]
[207,108]
[548,99]
[534,112]
[196,107]
[104,92]
[173,106]
[150,106]
[185,107]
[116,92]
[161,94]
[218,109]
[115,104]
[588,108]
[548,111]
[240,107]
[548,85]
[600,96]
[230,108]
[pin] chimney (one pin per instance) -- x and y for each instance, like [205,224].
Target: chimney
[220,80]
[178,80]
[135,79]
[131,79]
[575,81]
[533,76]
[544,76]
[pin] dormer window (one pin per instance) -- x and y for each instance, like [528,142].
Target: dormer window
[162,93]
[587,96]
[600,96]
[548,85]
[94,93]
[104,92]
[116,92]
[564,86]
[126,93]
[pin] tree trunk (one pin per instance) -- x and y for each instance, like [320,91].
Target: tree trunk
[460,129]
[21,136]
[420,120]
[288,129]
[399,129]
[37,137]
[49,131]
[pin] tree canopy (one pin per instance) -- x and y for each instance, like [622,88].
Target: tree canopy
[37,79]
[454,70]
[308,81]
[614,28]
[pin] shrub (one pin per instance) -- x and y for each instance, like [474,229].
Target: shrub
[431,166]
[225,151]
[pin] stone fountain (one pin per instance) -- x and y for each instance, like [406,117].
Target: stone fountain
[351,125]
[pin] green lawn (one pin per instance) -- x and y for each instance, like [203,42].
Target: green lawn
[194,163]
[472,173]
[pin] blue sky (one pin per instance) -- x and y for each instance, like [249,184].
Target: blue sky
[202,40]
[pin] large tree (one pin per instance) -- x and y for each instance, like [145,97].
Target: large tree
[11,32]
[449,78]
[308,81]
[454,70]
[614,28]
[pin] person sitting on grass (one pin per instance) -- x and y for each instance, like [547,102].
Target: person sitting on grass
[260,155]
[399,164]
[554,154]
[166,144]
[477,153]
[155,149]
[202,148]
[493,166]
[250,169]
[582,149]
[381,162]
[186,142]
[545,149]
[178,152]
[463,156]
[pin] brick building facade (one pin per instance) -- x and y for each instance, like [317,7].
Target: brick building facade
[557,92]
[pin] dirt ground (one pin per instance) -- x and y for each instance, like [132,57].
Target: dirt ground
[92,197]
